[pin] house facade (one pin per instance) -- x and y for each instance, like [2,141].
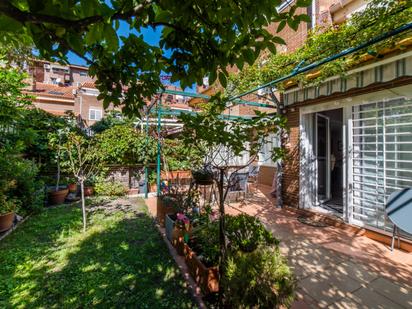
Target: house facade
[350,142]
[350,138]
[61,89]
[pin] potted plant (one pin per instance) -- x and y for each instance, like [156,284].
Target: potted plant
[7,212]
[181,232]
[89,186]
[203,176]
[202,257]
[152,182]
[72,184]
[58,194]
[167,203]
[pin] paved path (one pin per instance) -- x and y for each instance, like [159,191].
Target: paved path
[336,268]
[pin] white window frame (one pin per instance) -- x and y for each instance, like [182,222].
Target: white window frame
[306,177]
[95,109]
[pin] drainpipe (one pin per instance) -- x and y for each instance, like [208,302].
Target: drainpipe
[314,13]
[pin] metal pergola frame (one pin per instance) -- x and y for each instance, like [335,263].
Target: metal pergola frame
[236,100]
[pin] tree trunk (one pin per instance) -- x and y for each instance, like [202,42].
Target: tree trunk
[222,238]
[58,170]
[83,205]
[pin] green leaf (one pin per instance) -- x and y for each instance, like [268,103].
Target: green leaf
[223,79]
[303,3]
[111,37]
[282,25]
[212,77]
[279,40]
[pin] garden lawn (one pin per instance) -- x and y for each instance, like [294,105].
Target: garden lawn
[121,261]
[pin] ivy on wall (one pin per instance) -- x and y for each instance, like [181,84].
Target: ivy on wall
[377,18]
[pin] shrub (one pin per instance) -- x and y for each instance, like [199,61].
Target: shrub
[205,243]
[27,191]
[258,279]
[246,233]
[110,188]
[243,232]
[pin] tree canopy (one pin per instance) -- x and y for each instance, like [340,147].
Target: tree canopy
[198,38]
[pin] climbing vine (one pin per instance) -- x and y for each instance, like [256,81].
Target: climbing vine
[377,18]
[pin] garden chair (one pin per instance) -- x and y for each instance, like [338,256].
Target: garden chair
[399,211]
[238,184]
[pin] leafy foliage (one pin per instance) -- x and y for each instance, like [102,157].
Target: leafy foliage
[246,233]
[178,156]
[123,144]
[19,184]
[12,100]
[198,38]
[378,17]
[109,188]
[259,279]
[209,130]
[108,121]
[18,176]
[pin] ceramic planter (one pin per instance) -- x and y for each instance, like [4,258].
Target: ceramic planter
[57,197]
[88,191]
[72,187]
[170,221]
[6,221]
[205,277]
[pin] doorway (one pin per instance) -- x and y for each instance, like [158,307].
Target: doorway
[328,153]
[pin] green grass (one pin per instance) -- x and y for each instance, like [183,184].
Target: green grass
[121,261]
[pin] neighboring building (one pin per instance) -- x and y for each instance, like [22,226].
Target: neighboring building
[59,89]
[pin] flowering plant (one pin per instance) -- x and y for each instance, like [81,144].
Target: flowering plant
[183,221]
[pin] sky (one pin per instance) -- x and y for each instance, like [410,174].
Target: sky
[150,36]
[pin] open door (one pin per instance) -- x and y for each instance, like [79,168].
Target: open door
[322,154]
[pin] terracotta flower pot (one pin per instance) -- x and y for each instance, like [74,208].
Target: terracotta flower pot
[205,277]
[72,187]
[6,221]
[57,197]
[88,191]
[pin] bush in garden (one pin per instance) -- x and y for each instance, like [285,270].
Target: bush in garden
[246,233]
[258,279]
[27,191]
[123,144]
[243,232]
[205,243]
[109,188]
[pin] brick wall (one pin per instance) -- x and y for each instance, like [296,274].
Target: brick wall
[290,185]
[293,39]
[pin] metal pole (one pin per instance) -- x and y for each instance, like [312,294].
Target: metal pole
[146,169]
[203,96]
[159,149]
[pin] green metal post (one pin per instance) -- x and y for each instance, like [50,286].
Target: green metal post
[146,169]
[159,149]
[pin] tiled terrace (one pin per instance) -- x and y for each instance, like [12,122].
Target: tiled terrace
[336,268]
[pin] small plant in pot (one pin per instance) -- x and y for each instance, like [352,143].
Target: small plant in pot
[58,194]
[7,212]
[203,176]
[89,186]
[72,184]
